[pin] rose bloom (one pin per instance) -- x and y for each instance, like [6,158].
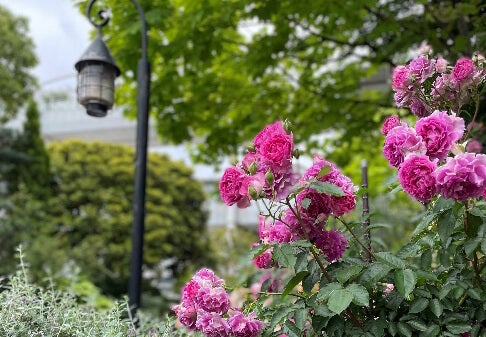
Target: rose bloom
[416,175]
[463,70]
[212,324]
[242,326]
[207,278]
[343,205]
[444,88]
[439,132]
[230,186]
[403,98]
[189,292]
[418,108]
[186,315]
[267,132]
[389,123]
[400,141]
[474,146]
[333,244]
[277,149]
[441,65]
[421,68]
[318,203]
[265,259]
[213,299]
[401,78]
[462,177]
[280,233]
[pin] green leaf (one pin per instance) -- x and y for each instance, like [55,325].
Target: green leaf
[339,300]
[458,328]
[291,330]
[418,305]
[374,272]
[346,273]
[284,255]
[483,246]
[300,318]
[426,220]
[326,291]
[323,171]
[305,203]
[436,307]
[360,294]
[404,329]
[280,314]
[327,188]
[293,282]
[445,225]
[417,324]
[431,331]
[390,259]
[405,281]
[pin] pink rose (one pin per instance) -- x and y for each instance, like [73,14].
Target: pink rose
[277,149]
[400,141]
[463,70]
[264,229]
[416,175]
[207,278]
[419,109]
[333,244]
[230,186]
[255,183]
[389,288]
[441,65]
[186,315]
[312,204]
[462,177]
[213,299]
[267,132]
[189,292]
[343,205]
[265,259]
[242,326]
[439,132]
[212,324]
[421,68]
[474,146]
[279,233]
[401,78]
[403,98]
[389,123]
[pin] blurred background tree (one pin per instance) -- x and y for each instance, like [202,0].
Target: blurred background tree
[87,221]
[17,58]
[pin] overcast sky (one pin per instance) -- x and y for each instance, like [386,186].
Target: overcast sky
[60,33]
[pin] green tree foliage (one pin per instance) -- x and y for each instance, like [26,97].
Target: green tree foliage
[87,222]
[10,157]
[223,69]
[35,173]
[17,58]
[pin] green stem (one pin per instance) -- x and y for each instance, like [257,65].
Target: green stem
[356,238]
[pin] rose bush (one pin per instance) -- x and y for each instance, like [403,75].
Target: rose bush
[435,285]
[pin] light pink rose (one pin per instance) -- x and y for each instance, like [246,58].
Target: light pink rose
[401,78]
[439,132]
[213,299]
[212,324]
[419,109]
[416,175]
[207,278]
[474,146]
[441,65]
[242,326]
[462,177]
[186,315]
[421,68]
[400,141]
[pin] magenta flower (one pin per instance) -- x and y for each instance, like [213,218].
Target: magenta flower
[444,88]
[401,78]
[265,259]
[421,68]
[186,315]
[389,123]
[439,132]
[230,187]
[462,177]
[280,233]
[333,244]
[242,326]
[213,299]
[264,229]
[267,132]
[212,324]
[189,292]
[474,146]
[441,65]
[463,70]
[416,175]
[343,205]
[400,141]
[206,277]
[277,150]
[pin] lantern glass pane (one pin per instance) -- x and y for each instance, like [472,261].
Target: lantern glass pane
[96,83]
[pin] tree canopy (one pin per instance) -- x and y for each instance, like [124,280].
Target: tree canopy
[17,58]
[224,69]
[87,221]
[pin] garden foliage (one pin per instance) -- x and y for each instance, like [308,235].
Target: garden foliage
[434,285]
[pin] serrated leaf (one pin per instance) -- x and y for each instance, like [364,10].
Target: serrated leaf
[300,318]
[431,331]
[392,328]
[405,281]
[326,291]
[390,259]
[458,328]
[284,255]
[374,272]
[346,273]
[436,307]
[291,330]
[339,300]
[483,246]
[305,203]
[445,225]
[426,221]
[418,305]
[280,314]
[471,245]
[417,324]
[327,188]
[361,296]
[293,282]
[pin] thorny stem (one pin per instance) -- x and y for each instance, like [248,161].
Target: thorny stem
[347,312]
[356,238]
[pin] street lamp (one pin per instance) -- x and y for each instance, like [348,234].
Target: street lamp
[96,80]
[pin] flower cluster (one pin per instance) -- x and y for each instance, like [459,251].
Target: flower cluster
[266,173]
[205,307]
[429,156]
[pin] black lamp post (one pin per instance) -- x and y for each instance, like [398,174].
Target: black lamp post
[96,81]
